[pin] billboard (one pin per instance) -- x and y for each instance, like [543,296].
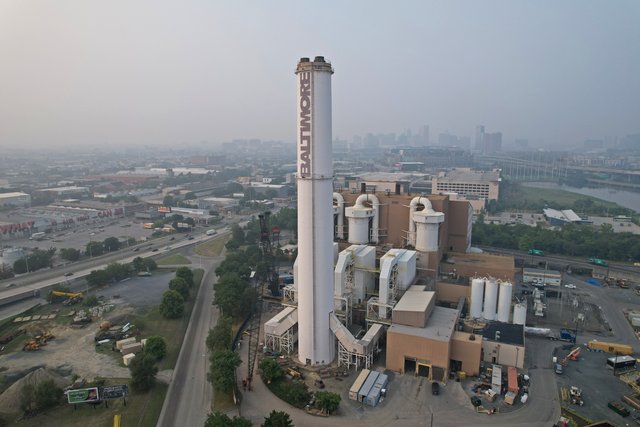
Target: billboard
[82,395]
[114,391]
[165,209]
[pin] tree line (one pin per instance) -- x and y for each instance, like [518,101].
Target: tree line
[571,239]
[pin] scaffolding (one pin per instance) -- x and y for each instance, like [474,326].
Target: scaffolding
[289,296]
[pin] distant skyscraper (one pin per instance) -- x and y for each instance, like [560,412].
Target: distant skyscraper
[425,135]
[492,142]
[479,138]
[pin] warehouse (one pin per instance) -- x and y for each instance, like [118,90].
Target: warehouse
[15,199]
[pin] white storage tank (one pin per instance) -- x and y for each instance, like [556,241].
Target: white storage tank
[490,299]
[358,217]
[504,302]
[520,314]
[477,293]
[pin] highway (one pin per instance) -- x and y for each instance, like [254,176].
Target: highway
[190,395]
[564,260]
[30,284]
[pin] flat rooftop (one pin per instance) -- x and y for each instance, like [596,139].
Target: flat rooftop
[440,326]
[384,177]
[508,333]
[415,300]
[467,175]
[483,259]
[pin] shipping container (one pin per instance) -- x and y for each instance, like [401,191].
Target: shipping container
[357,384]
[367,386]
[376,391]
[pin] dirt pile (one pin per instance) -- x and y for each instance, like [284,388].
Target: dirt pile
[10,399]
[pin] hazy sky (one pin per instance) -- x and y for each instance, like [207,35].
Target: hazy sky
[161,72]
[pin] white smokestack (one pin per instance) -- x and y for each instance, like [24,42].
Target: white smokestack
[315,212]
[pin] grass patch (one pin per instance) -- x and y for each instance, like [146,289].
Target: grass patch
[531,198]
[172,330]
[173,260]
[142,409]
[222,402]
[212,247]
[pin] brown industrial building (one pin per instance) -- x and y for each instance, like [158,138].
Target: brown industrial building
[423,339]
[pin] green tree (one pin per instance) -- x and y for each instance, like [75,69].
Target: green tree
[47,394]
[190,196]
[117,271]
[138,264]
[172,304]
[222,371]
[155,347]
[237,233]
[111,244]
[70,254]
[221,336]
[168,201]
[271,370]
[179,285]
[98,277]
[91,301]
[186,274]
[143,372]
[327,401]
[218,419]
[277,419]
[151,264]
[94,248]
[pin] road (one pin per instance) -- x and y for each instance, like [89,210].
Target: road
[189,397]
[561,259]
[29,285]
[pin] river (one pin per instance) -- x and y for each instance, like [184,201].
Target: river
[628,199]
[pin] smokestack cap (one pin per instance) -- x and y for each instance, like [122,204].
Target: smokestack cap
[319,59]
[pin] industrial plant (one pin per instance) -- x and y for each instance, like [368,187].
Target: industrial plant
[381,268]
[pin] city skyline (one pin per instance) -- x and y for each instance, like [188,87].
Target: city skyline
[118,74]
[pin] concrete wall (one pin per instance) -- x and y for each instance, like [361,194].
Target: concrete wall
[451,292]
[505,354]
[460,222]
[400,346]
[467,351]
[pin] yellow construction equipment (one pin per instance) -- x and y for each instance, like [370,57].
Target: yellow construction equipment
[610,347]
[66,294]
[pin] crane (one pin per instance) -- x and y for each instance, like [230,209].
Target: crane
[269,276]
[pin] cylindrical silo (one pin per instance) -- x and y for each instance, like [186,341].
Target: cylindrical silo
[490,299]
[477,293]
[520,314]
[316,343]
[504,302]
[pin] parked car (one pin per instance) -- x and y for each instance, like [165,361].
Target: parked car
[435,388]
[559,369]
[570,286]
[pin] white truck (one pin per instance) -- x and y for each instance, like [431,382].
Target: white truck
[37,236]
[211,232]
